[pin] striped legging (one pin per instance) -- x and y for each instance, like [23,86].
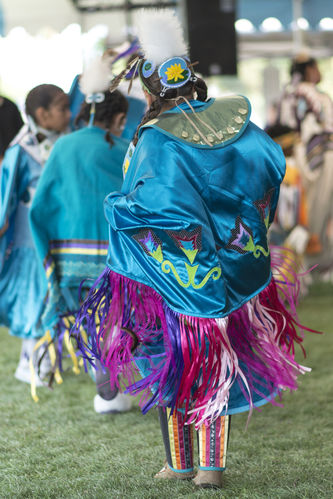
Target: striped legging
[179,442]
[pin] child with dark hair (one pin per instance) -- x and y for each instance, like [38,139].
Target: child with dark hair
[82,169]
[10,123]
[305,68]
[136,104]
[21,294]
[110,116]
[188,297]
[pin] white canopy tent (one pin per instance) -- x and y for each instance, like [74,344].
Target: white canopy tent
[48,41]
[37,15]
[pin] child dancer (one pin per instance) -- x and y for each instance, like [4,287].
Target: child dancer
[136,104]
[10,123]
[309,112]
[21,296]
[83,167]
[188,295]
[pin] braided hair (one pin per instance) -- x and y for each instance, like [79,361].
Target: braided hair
[153,85]
[105,111]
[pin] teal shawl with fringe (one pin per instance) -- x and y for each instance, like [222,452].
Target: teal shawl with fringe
[188,295]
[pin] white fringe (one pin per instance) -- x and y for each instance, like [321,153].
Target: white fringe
[229,372]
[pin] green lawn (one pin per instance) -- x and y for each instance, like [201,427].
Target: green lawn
[59,448]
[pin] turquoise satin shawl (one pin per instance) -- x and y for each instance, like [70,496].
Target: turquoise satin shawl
[192,216]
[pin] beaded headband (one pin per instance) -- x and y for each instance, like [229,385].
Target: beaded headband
[173,73]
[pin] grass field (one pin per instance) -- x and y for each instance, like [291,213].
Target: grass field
[59,448]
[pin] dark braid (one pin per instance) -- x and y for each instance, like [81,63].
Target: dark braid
[201,89]
[153,85]
[105,111]
[152,112]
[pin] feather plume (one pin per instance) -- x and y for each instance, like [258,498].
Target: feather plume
[160,34]
[96,77]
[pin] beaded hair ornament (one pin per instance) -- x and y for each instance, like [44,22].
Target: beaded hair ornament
[94,82]
[164,49]
[173,73]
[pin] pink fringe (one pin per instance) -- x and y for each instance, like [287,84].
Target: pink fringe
[203,358]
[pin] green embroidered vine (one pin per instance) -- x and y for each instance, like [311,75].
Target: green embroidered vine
[191,272]
[189,243]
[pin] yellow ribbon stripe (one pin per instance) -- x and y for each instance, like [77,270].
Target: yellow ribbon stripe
[32,369]
[53,357]
[77,363]
[69,345]
[79,251]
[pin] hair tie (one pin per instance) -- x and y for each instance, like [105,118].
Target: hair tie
[96,97]
[93,99]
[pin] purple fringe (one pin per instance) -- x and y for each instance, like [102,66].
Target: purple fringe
[201,358]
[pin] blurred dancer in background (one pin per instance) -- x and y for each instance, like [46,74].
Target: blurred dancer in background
[21,282]
[309,112]
[67,217]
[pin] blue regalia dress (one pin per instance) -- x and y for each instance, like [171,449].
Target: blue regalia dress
[67,219]
[188,297]
[21,280]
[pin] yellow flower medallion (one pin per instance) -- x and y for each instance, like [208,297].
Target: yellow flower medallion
[175,72]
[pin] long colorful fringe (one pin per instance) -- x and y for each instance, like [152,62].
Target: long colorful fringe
[56,346]
[201,358]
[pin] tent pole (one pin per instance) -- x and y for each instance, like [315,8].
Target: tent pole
[298,36]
